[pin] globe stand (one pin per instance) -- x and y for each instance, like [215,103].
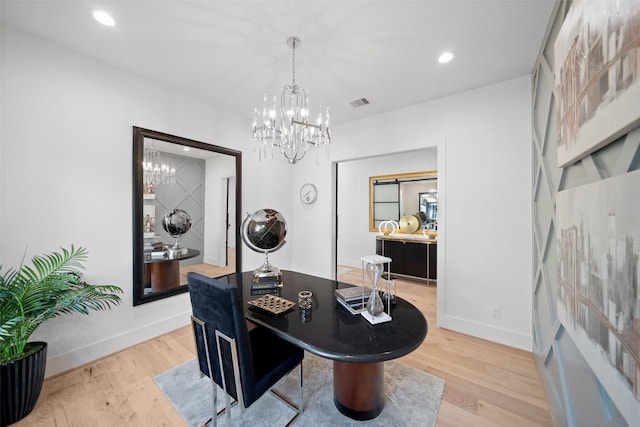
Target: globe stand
[267,273]
[178,250]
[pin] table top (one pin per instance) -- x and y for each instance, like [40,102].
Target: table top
[329,330]
[190,254]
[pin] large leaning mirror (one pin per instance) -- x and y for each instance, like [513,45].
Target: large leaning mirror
[393,196]
[186,212]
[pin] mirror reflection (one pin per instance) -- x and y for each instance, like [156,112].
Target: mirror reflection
[186,208]
[428,205]
[393,196]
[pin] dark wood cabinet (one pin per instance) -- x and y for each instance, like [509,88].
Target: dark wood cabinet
[395,251]
[414,258]
[432,257]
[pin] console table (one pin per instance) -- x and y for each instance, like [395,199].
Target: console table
[358,349]
[410,257]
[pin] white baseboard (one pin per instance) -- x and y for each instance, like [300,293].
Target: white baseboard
[487,332]
[350,263]
[92,352]
[212,261]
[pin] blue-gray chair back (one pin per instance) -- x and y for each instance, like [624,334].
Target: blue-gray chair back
[228,350]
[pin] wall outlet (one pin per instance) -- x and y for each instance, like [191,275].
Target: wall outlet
[495,312]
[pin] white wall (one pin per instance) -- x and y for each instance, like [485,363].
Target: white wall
[66,178]
[484,181]
[311,233]
[218,170]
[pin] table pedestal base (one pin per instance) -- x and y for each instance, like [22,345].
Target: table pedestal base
[163,275]
[358,389]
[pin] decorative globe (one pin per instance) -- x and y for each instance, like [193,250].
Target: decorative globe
[176,222]
[264,230]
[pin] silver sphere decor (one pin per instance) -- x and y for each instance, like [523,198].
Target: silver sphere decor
[264,231]
[176,222]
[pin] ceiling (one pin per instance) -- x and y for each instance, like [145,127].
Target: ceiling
[229,53]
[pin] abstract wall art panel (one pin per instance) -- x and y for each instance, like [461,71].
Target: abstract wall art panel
[598,237]
[597,72]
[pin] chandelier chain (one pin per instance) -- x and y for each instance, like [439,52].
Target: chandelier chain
[293,65]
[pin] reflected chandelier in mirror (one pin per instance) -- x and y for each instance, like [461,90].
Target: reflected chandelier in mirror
[179,182]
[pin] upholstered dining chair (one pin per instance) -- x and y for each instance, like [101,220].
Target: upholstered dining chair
[252,361]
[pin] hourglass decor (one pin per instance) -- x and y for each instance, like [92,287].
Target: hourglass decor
[373,266]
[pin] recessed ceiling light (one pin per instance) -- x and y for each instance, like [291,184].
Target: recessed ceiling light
[187,149]
[104,18]
[445,57]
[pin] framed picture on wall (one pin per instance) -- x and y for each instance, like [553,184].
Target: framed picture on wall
[597,72]
[598,275]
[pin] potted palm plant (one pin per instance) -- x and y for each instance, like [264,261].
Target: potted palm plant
[29,296]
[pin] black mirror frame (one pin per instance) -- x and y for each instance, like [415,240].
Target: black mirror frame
[139,134]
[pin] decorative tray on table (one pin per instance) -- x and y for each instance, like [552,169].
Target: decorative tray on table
[271,304]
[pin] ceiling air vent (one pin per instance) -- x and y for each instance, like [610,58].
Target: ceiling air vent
[359,102]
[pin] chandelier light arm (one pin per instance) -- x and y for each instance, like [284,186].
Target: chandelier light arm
[306,124]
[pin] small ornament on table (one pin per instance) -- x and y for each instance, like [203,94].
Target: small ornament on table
[305,300]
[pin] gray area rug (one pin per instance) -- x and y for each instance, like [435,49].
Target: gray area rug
[412,397]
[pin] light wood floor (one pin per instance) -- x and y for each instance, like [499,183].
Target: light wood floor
[210,270]
[487,384]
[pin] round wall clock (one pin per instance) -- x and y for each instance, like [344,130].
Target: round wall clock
[308,193]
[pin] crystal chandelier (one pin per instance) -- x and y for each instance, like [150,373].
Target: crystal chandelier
[287,127]
[155,170]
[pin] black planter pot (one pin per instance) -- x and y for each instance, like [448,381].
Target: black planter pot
[21,383]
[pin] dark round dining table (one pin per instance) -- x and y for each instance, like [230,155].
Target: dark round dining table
[357,347]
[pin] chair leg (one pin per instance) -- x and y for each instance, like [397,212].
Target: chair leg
[300,387]
[214,402]
[214,405]
[227,406]
[298,408]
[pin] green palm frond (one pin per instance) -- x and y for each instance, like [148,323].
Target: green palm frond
[52,286]
[54,264]
[7,326]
